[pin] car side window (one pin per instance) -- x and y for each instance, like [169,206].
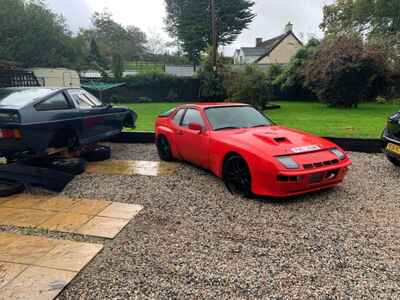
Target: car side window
[92,99]
[178,117]
[56,102]
[192,116]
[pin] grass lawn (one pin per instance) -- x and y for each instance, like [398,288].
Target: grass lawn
[367,121]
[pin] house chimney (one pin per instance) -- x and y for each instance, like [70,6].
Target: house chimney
[289,27]
[259,42]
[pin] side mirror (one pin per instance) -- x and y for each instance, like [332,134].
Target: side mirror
[195,127]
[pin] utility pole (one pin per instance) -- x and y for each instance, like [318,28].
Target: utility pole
[214,34]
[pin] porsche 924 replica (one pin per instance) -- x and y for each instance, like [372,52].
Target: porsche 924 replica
[391,137]
[252,154]
[33,120]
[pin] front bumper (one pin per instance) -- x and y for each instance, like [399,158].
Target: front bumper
[388,138]
[293,183]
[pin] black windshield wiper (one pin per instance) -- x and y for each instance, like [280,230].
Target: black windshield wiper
[228,127]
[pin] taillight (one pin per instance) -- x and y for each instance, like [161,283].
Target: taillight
[10,134]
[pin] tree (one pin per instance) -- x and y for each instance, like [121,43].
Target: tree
[291,82]
[345,71]
[189,21]
[112,37]
[369,17]
[118,66]
[251,86]
[33,35]
[211,80]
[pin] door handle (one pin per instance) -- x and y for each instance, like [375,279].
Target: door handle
[180,132]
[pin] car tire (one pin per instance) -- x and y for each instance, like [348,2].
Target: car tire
[237,177]
[99,153]
[164,149]
[393,160]
[74,166]
[8,188]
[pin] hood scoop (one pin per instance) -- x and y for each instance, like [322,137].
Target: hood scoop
[273,138]
[281,140]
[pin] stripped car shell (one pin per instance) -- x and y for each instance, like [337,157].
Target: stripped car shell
[32,120]
[282,162]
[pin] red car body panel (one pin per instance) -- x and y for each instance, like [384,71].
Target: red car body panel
[259,147]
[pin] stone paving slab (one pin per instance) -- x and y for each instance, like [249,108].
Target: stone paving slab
[82,216]
[39,268]
[131,168]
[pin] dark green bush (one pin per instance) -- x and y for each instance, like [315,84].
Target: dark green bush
[152,80]
[346,70]
[250,86]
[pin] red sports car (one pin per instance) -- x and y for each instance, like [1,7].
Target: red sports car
[253,155]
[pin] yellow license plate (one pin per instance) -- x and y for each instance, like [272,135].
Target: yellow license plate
[393,148]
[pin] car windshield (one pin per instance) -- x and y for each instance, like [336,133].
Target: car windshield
[21,97]
[236,117]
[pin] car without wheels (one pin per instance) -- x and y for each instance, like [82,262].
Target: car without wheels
[35,121]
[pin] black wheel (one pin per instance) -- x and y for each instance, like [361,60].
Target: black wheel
[237,176]
[164,149]
[8,188]
[99,153]
[393,160]
[74,166]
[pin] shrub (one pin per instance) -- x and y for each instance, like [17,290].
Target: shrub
[272,74]
[212,80]
[251,86]
[381,100]
[152,80]
[290,83]
[144,99]
[345,70]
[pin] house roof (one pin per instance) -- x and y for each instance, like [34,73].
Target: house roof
[271,44]
[253,51]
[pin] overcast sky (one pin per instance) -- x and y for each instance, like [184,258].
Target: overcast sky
[272,15]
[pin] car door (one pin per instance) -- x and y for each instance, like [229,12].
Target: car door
[193,144]
[93,124]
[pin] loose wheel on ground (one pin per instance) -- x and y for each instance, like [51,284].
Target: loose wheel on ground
[74,166]
[8,188]
[99,153]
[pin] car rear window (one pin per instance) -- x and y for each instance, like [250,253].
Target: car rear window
[20,98]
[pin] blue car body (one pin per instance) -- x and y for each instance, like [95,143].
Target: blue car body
[33,120]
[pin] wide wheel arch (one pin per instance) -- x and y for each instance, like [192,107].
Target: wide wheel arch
[228,156]
[62,136]
[248,192]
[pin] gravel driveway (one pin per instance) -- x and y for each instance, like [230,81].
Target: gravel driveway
[194,240]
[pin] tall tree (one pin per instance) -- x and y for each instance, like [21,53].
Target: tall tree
[111,37]
[367,17]
[189,21]
[33,35]
[377,21]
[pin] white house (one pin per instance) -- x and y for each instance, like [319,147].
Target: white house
[278,50]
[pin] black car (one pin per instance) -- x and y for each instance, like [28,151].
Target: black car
[32,120]
[391,137]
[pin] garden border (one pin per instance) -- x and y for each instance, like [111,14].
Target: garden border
[348,144]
